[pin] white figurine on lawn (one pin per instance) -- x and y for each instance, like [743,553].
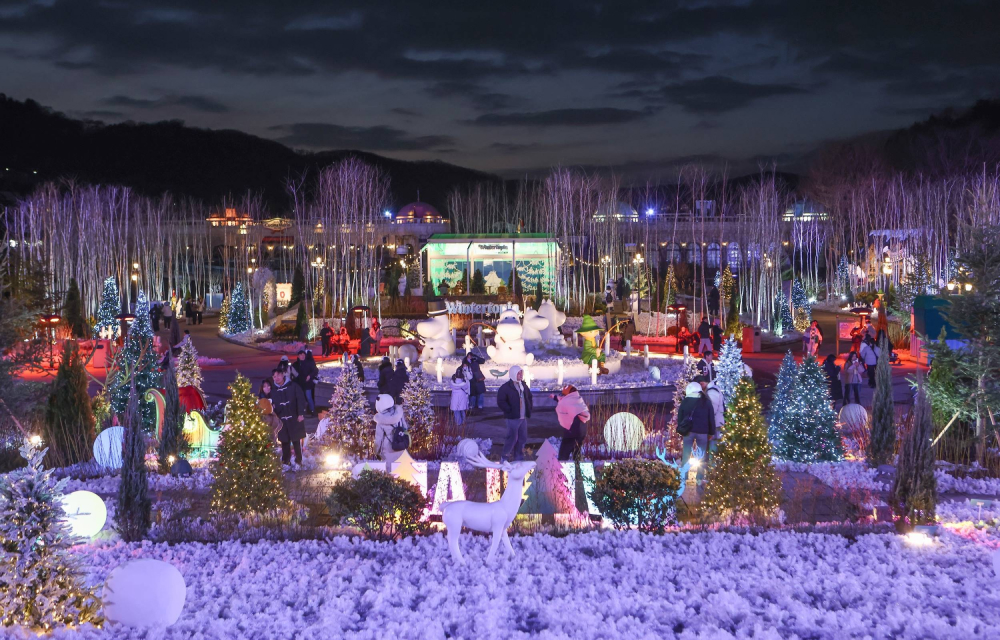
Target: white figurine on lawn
[509,347]
[436,333]
[550,334]
[532,326]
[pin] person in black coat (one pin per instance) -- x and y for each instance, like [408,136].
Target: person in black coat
[154,317]
[704,336]
[696,423]
[477,381]
[306,372]
[356,361]
[716,331]
[713,301]
[514,400]
[399,379]
[326,339]
[384,376]
[289,404]
[832,372]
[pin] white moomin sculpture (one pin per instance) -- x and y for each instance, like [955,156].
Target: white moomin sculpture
[550,334]
[532,327]
[509,347]
[487,517]
[436,334]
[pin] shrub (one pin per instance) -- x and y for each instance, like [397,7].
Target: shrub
[638,492]
[381,506]
[284,332]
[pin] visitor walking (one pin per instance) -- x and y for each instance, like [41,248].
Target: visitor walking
[356,361]
[628,332]
[154,317]
[388,416]
[573,415]
[199,309]
[851,375]
[869,356]
[477,381]
[267,407]
[384,375]
[175,334]
[514,400]
[609,305]
[168,314]
[696,424]
[716,335]
[713,301]
[188,312]
[400,377]
[833,376]
[706,366]
[704,336]
[305,376]
[459,396]
[325,339]
[290,405]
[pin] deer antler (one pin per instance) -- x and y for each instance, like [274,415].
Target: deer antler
[479,460]
[661,453]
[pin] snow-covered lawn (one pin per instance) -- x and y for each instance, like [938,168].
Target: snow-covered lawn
[594,585]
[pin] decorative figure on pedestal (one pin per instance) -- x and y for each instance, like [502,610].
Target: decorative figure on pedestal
[534,323]
[488,517]
[436,334]
[591,351]
[556,318]
[509,347]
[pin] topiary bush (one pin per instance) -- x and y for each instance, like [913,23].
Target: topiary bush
[383,507]
[637,492]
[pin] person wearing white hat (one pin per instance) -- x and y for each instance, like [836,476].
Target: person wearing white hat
[696,423]
[388,415]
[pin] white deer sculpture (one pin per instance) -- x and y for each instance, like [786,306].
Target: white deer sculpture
[488,517]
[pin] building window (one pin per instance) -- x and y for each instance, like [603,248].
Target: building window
[733,257]
[694,253]
[713,256]
[671,253]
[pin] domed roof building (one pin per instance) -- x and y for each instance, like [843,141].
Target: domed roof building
[418,212]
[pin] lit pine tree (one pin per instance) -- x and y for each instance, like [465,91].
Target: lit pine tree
[779,421]
[110,309]
[42,584]
[727,282]
[809,433]
[350,415]
[188,369]
[172,440]
[799,298]
[137,359]
[670,286]
[882,443]
[914,491]
[247,474]
[238,318]
[782,316]
[743,486]
[224,315]
[69,418]
[419,412]
[730,368]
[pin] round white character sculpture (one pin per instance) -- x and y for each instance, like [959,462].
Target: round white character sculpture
[532,327]
[436,334]
[487,517]
[144,593]
[85,513]
[556,318]
[402,284]
[509,347]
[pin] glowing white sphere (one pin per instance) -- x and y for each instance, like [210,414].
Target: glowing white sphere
[854,417]
[654,373]
[408,351]
[108,447]
[624,432]
[85,513]
[144,593]
[467,448]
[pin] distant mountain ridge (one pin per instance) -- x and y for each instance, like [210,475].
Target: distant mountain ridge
[39,145]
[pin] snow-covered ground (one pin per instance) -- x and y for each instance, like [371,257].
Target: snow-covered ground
[594,585]
[849,474]
[947,483]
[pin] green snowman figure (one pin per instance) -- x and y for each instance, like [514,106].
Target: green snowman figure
[591,351]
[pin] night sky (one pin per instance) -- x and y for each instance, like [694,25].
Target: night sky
[510,87]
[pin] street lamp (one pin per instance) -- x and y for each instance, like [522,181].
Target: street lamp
[50,321]
[676,310]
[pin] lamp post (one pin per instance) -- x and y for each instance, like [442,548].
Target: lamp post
[50,321]
[676,310]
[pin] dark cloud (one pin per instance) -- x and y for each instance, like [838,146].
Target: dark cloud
[195,103]
[480,98]
[318,135]
[405,112]
[563,117]
[718,94]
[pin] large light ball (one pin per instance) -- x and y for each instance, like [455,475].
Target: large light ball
[654,373]
[144,593]
[624,432]
[85,513]
[467,449]
[853,417]
[108,447]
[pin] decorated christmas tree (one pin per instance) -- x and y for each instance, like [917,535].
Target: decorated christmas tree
[350,415]
[914,491]
[743,486]
[419,412]
[110,309]
[247,475]
[670,286]
[782,318]
[69,419]
[549,492]
[727,282]
[730,368]
[882,443]
[188,369]
[800,300]
[224,315]
[843,281]
[689,371]
[779,417]
[41,582]
[134,507]
[238,318]
[808,432]
[137,359]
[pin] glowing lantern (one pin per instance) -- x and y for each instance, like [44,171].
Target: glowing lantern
[85,513]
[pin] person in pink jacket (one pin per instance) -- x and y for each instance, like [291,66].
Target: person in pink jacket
[573,415]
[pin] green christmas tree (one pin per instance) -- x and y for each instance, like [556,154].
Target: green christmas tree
[137,359]
[172,441]
[670,287]
[247,474]
[809,433]
[69,419]
[134,513]
[42,584]
[800,300]
[224,315]
[298,287]
[110,309]
[238,318]
[730,368]
[478,284]
[188,369]
[726,283]
[418,411]
[73,311]
[302,323]
[914,491]
[882,443]
[743,486]
[779,418]
[350,415]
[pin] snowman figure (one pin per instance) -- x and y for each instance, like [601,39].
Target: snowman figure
[509,347]
[532,327]
[436,334]
[550,334]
